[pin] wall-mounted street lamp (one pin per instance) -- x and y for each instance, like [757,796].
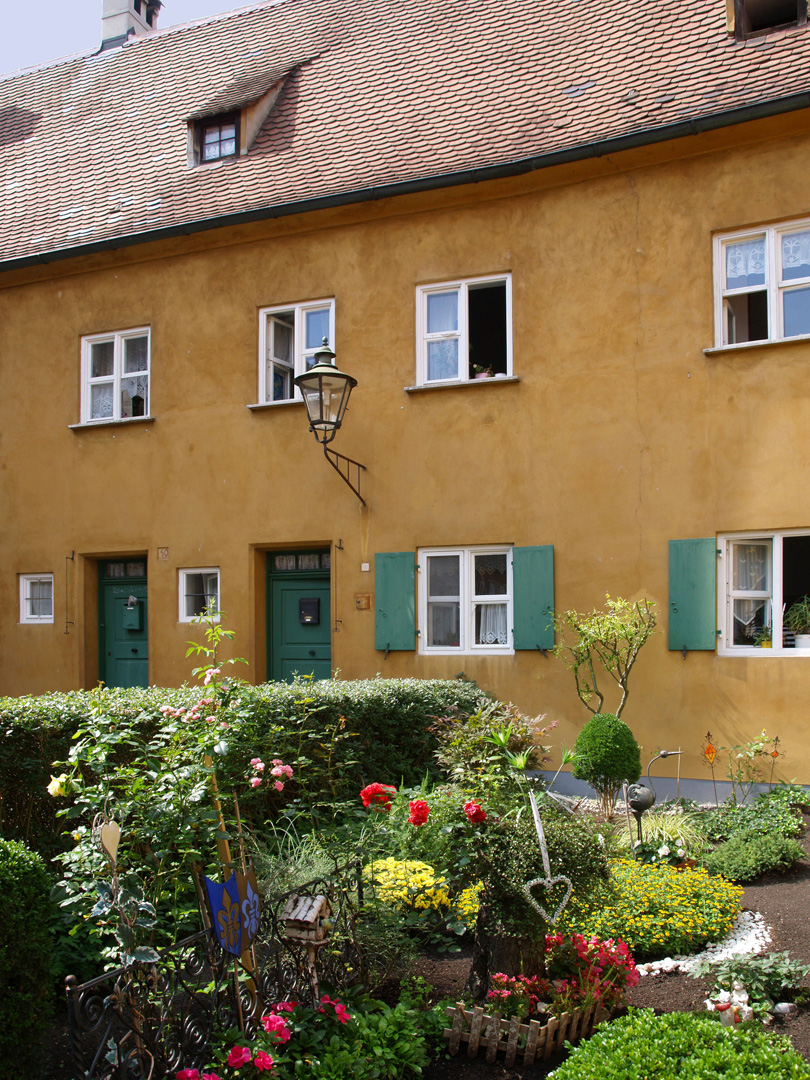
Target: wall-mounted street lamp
[325,390]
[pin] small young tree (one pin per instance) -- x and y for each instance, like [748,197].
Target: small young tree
[610,639]
[606,756]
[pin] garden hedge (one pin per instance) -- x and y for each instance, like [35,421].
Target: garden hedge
[383,728]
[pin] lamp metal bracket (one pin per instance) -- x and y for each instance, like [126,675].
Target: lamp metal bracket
[339,463]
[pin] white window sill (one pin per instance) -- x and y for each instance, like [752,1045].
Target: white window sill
[469,652]
[743,345]
[111,423]
[455,383]
[275,404]
[765,654]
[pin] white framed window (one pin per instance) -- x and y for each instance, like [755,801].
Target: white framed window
[465,600]
[464,330]
[761,575]
[36,598]
[115,376]
[762,284]
[199,592]
[289,337]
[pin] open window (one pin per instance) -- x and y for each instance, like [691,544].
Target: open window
[464,330]
[289,337]
[199,593]
[763,576]
[763,284]
[754,17]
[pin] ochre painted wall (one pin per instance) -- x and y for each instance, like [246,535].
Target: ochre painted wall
[619,435]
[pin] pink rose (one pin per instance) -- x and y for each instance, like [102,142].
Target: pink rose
[187,1074]
[278,785]
[255,781]
[239,1055]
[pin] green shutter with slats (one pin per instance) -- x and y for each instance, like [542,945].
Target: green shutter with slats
[693,594]
[533,585]
[394,614]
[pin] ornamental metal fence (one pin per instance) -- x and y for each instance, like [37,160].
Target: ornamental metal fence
[149,1020]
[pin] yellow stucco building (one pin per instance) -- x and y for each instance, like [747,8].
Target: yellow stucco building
[565,252]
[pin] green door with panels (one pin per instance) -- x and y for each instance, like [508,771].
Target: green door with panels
[299,639]
[123,641]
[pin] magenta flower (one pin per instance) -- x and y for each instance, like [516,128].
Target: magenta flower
[263,1062]
[187,1074]
[239,1055]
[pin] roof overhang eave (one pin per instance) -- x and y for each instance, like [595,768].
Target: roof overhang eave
[515,167]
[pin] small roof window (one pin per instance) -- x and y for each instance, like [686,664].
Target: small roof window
[754,17]
[218,137]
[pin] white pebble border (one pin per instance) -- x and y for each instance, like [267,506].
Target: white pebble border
[749,934]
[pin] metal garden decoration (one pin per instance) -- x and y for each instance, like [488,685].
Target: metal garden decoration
[546,882]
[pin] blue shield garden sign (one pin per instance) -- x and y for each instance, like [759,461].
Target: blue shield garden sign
[235,910]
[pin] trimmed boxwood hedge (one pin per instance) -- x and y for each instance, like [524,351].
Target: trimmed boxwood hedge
[387,722]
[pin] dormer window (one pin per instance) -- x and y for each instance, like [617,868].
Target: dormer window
[755,17]
[219,137]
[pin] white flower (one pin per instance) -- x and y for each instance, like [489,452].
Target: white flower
[681,852]
[663,851]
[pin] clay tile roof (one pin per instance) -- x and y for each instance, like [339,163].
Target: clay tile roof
[375,96]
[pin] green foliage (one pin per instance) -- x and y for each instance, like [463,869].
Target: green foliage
[746,765]
[667,825]
[770,814]
[606,756]
[365,1039]
[489,746]
[768,978]
[797,616]
[691,1046]
[349,733]
[657,910]
[25,959]
[610,639]
[749,855]
[509,856]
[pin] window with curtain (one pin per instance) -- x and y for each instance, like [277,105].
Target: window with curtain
[115,376]
[464,330]
[289,337]
[761,576]
[465,599]
[763,284]
[36,598]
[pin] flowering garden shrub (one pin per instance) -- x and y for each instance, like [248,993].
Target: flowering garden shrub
[580,972]
[408,884]
[368,1040]
[657,910]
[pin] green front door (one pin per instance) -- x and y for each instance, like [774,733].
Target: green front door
[298,615]
[123,642]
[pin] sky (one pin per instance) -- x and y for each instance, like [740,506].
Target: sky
[37,31]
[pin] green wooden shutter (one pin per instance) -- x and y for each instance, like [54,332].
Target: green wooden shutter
[395,586]
[693,593]
[533,590]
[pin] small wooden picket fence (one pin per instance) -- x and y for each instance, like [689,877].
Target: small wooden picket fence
[538,1040]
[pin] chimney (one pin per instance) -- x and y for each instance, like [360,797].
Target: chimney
[123,19]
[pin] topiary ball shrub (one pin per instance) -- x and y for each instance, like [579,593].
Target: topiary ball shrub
[25,959]
[606,756]
[691,1046]
[748,855]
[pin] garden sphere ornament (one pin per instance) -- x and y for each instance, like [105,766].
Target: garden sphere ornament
[641,797]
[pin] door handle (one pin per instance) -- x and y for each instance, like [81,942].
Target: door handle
[135,651]
[311,652]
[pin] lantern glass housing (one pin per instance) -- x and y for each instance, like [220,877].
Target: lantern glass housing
[325,390]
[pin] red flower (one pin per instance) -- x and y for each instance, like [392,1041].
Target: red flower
[419,812]
[378,796]
[474,812]
[263,1062]
[239,1055]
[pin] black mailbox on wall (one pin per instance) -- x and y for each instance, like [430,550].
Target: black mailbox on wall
[309,611]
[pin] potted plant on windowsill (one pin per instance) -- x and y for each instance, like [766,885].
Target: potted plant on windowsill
[797,619]
[482,372]
[763,638]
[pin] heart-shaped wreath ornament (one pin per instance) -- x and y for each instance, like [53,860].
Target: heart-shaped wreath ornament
[548,883]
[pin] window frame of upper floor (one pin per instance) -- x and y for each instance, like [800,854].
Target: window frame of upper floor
[289,337]
[771,300]
[98,373]
[463,330]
